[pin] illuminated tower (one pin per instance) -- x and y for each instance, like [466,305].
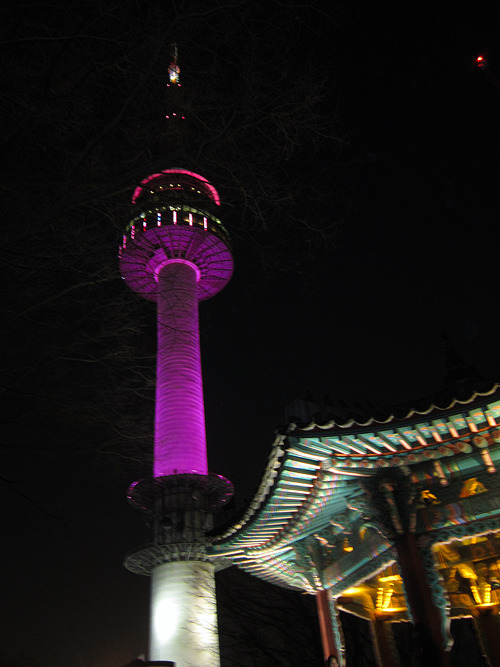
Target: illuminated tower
[176,252]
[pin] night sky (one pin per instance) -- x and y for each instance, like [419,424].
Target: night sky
[413,258]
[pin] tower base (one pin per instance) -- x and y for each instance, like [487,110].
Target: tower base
[184,614]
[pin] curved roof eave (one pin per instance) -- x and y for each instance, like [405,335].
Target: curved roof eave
[410,412]
[278,455]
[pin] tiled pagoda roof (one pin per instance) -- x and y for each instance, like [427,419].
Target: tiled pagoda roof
[316,465]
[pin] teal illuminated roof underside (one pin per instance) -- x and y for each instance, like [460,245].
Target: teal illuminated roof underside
[314,488]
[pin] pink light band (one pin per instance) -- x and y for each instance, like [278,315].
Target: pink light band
[180,439]
[204,185]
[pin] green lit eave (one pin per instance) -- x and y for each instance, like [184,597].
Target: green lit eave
[314,471]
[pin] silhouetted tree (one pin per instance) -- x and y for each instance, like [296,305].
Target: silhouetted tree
[84,110]
[262,625]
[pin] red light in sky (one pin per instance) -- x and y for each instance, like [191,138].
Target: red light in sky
[481,61]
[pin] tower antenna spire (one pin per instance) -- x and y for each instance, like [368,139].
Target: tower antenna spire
[175,110]
[174,69]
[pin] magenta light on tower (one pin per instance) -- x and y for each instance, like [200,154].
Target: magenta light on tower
[176,252]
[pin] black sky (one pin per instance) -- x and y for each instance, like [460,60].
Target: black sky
[415,257]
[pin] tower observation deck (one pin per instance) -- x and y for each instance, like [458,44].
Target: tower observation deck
[176,252]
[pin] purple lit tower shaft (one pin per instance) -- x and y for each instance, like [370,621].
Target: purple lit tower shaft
[180,440]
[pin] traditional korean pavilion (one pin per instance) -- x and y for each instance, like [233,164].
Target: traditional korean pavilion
[392,517]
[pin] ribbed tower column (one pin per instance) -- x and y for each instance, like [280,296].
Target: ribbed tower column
[180,440]
[176,252]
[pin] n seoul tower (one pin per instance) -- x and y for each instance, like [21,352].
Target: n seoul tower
[176,252]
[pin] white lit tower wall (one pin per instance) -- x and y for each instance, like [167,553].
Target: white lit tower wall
[176,252]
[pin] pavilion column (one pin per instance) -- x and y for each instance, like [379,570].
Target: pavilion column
[488,628]
[329,628]
[384,642]
[426,616]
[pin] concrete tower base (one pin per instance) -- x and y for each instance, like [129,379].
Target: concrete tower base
[184,614]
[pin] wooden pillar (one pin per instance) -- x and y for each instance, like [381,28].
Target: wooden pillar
[488,628]
[380,636]
[426,616]
[326,626]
